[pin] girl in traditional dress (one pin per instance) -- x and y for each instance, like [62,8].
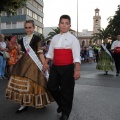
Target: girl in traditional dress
[27,84]
[105,61]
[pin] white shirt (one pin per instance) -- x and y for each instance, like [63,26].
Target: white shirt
[65,41]
[3,45]
[29,37]
[115,44]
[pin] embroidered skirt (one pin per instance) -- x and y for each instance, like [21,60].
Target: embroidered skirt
[105,62]
[27,92]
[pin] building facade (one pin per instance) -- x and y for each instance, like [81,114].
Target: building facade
[15,24]
[85,36]
[96,21]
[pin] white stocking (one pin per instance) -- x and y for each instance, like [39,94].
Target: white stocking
[21,107]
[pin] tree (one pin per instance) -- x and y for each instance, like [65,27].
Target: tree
[102,34]
[10,6]
[112,30]
[114,24]
[51,34]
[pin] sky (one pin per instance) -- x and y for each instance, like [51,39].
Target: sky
[53,9]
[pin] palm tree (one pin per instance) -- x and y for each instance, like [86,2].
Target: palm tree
[54,32]
[43,38]
[102,34]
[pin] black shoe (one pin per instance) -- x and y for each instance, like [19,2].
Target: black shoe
[4,77]
[20,111]
[1,78]
[117,74]
[106,73]
[64,117]
[59,110]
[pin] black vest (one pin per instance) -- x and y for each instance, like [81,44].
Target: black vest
[33,43]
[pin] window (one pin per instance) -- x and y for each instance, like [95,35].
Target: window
[35,4]
[3,25]
[29,12]
[40,19]
[20,24]
[34,15]
[20,11]
[96,21]
[8,25]
[36,28]
[39,30]
[13,25]
[97,14]
[40,8]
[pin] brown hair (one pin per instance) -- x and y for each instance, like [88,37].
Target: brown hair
[65,17]
[30,21]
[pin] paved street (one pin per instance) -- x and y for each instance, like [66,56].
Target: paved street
[97,97]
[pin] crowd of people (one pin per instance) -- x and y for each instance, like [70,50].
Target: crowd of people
[90,53]
[9,46]
[105,55]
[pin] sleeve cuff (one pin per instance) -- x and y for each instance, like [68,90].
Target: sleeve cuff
[77,60]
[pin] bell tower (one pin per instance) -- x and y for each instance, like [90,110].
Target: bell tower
[96,21]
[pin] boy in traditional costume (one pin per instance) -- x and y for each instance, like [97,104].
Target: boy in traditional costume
[64,50]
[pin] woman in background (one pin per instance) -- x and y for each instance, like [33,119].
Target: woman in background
[13,49]
[2,59]
[105,61]
[90,50]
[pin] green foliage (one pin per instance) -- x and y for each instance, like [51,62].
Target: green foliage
[102,34]
[10,6]
[51,34]
[42,37]
[114,24]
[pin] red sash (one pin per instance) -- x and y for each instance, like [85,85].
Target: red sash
[117,50]
[62,57]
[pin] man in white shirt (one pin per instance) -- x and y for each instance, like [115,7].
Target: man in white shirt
[116,49]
